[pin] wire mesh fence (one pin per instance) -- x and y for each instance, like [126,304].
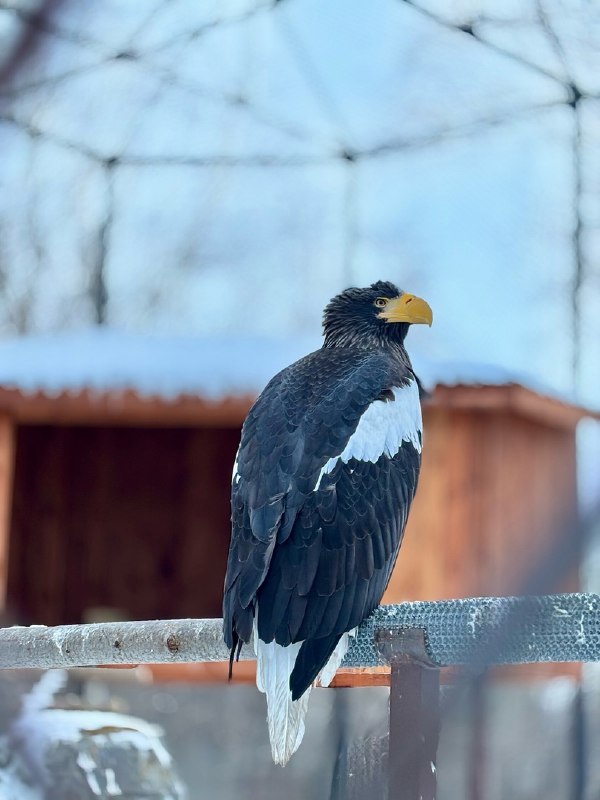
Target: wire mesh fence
[417,640]
[361,769]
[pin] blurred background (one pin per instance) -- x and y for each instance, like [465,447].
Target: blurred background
[183,186]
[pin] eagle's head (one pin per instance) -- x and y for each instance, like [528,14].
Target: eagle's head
[377,315]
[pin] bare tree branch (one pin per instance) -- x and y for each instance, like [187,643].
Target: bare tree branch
[350,221]
[197,32]
[391,147]
[243,103]
[98,286]
[156,642]
[28,42]
[456,132]
[471,31]
[339,150]
[573,99]
[223,160]
[47,25]
[579,263]
[33,131]
[51,80]
[476,631]
[552,36]
[150,17]
[167,75]
[321,93]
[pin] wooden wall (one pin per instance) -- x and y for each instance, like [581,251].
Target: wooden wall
[132,518]
[496,492]
[138,518]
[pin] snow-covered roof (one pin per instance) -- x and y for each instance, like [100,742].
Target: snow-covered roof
[103,360]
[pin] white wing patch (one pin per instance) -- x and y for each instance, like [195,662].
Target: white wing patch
[382,429]
[235,478]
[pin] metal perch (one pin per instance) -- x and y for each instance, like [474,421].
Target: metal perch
[486,630]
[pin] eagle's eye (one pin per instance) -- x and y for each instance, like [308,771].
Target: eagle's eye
[381,302]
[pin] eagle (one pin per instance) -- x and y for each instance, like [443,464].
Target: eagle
[322,484]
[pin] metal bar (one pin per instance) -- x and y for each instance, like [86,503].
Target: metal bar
[482,631]
[414,731]
[477,724]
[475,631]
[579,750]
[414,714]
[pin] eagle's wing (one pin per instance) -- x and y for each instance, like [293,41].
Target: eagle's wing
[324,477]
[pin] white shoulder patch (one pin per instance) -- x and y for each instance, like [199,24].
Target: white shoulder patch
[382,429]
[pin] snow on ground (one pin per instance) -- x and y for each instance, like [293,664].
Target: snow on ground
[91,742]
[13,785]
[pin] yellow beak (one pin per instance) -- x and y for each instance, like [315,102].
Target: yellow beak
[408,308]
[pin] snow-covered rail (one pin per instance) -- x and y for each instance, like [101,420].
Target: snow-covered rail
[488,630]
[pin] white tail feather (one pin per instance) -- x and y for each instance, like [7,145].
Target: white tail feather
[335,659]
[285,716]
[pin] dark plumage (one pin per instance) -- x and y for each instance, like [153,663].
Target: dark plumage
[322,489]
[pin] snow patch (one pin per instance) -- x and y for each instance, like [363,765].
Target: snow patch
[40,726]
[42,694]
[112,787]
[169,367]
[88,765]
[474,620]
[13,781]
[581,637]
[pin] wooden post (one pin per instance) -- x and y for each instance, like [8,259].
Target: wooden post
[414,716]
[7,464]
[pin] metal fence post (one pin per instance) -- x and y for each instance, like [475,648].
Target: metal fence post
[414,715]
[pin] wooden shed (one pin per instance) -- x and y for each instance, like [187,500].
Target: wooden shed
[115,465]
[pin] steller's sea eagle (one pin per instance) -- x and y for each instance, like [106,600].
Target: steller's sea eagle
[322,484]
